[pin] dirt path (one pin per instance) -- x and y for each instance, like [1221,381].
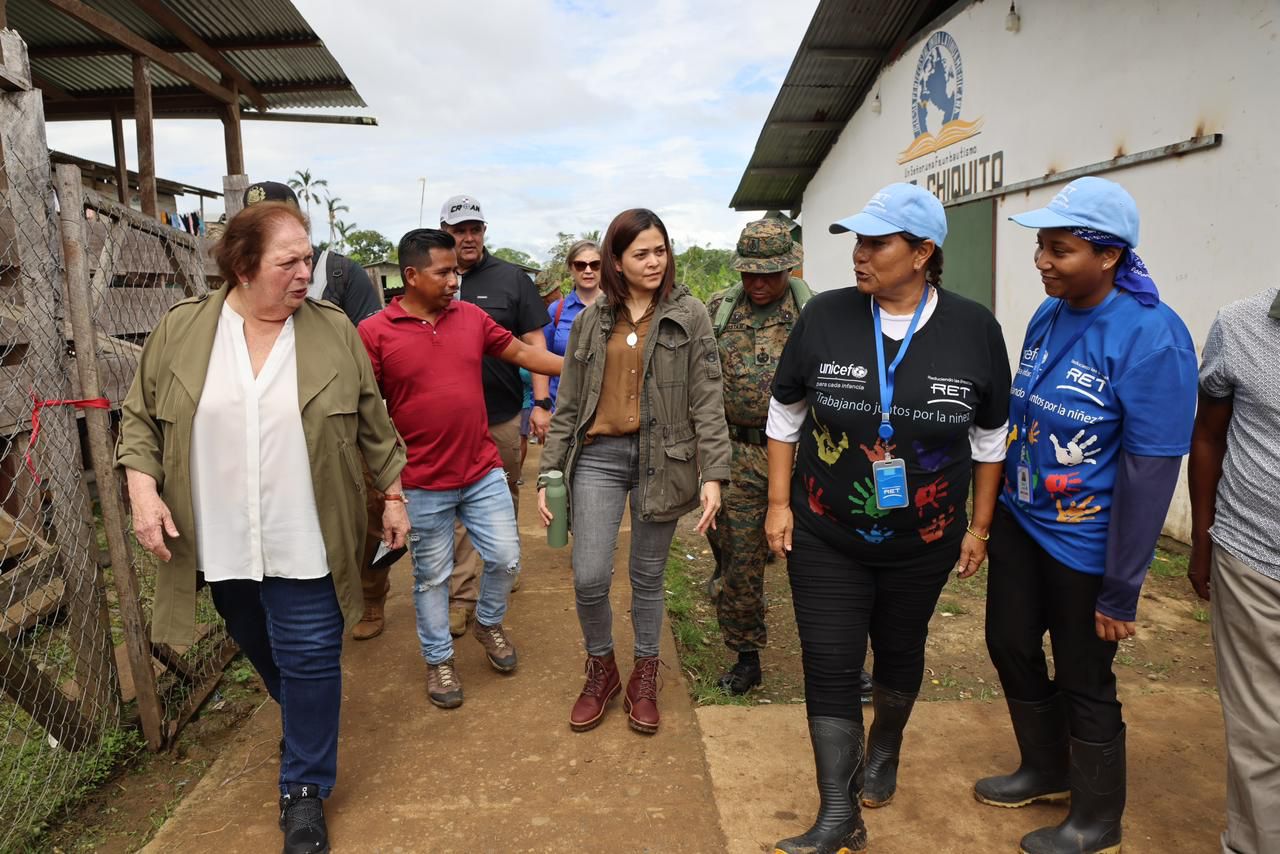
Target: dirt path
[502,773]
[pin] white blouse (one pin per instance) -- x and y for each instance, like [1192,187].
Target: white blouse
[251,485]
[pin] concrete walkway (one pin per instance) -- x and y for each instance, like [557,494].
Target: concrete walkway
[503,773]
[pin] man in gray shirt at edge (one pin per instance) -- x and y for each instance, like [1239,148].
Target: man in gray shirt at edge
[1235,531]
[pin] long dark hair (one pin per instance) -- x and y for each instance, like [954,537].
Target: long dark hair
[622,232]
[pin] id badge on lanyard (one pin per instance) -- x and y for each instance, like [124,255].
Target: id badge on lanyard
[889,476]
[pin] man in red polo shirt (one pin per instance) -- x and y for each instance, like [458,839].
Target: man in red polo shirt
[426,349]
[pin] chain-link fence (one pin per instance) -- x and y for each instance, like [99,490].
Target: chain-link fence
[83,281]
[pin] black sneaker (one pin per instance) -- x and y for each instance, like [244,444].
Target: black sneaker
[302,820]
[742,677]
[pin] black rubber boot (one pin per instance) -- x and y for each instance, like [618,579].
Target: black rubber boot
[838,829]
[1097,803]
[884,744]
[866,688]
[302,820]
[1041,731]
[744,675]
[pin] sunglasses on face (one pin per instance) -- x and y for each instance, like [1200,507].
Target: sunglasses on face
[584,266]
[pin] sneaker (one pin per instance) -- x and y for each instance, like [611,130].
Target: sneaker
[502,655]
[302,820]
[444,688]
[460,617]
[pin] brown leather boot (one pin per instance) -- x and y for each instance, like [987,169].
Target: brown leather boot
[603,684]
[371,622]
[641,701]
[375,582]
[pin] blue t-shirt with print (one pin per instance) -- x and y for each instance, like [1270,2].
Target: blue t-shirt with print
[1127,383]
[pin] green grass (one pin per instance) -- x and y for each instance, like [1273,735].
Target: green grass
[696,643]
[1169,564]
[951,609]
[1200,614]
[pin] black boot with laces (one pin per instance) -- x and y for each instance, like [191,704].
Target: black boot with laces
[744,675]
[302,820]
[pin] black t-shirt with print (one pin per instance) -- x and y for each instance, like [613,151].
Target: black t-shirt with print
[955,375]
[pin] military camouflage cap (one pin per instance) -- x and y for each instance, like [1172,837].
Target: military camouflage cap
[765,246]
[546,283]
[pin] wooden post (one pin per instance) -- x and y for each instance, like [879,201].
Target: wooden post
[233,187]
[122,164]
[40,698]
[143,118]
[101,453]
[231,139]
[37,251]
[4,17]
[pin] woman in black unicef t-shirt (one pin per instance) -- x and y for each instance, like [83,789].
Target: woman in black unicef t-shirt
[861,564]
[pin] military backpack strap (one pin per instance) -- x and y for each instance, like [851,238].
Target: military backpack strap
[728,303]
[800,291]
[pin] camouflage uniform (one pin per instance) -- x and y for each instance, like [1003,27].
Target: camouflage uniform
[750,347]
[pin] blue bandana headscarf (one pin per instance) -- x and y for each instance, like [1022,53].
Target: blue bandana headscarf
[1131,275]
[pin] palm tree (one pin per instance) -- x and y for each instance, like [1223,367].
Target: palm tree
[344,231]
[307,188]
[334,205]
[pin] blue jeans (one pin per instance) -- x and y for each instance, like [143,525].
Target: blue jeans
[486,511]
[291,631]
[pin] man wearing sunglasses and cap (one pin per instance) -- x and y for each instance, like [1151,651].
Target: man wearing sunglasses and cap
[341,281]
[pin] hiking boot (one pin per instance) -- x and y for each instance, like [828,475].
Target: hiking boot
[884,745]
[603,684]
[838,829]
[501,654]
[641,700]
[1092,826]
[460,617]
[1041,731]
[743,676]
[371,623]
[302,820]
[444,688]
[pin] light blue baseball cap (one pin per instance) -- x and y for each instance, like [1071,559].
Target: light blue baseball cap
[898,207]
[1088,202]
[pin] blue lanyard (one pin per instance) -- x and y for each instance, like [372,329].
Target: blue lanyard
[1041,367]
[886,377]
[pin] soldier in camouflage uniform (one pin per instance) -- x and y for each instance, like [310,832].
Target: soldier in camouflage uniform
[751,329]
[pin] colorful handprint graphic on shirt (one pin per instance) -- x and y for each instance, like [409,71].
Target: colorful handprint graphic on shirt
[938,525]
[928,495]
[879,451]
[875,535]
[1077,511]
[1062,484]
[1075,452]
[1033,433]
[864,503]
[829,451]
[815,498]
[932,459]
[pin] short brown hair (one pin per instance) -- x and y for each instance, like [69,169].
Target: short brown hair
[622,232]
[578,248]
[239,252]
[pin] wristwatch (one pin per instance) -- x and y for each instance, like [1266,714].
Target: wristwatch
[544,403]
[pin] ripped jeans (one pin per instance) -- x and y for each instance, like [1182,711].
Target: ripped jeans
[486,511]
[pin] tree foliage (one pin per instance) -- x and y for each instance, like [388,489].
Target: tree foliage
[367,246]
[515,256]
[705,270]
[308,188]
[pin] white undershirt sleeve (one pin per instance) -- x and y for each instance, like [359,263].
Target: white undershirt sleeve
[986,446]
[785,420]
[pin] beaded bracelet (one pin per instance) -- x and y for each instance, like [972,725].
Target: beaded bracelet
[977,535]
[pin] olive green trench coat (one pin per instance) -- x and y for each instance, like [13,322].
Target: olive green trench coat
[343,417]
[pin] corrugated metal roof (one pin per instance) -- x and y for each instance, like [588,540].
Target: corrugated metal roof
[840,56]
[287,77]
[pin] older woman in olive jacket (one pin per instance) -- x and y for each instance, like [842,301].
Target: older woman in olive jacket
[639,414]
[241,438]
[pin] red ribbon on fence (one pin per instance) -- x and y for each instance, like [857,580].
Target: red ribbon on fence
[37,404]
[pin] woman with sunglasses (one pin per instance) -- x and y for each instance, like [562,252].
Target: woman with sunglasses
[583,262]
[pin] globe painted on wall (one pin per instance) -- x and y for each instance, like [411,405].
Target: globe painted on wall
[938,85]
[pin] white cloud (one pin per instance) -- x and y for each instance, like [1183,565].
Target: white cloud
[556,114]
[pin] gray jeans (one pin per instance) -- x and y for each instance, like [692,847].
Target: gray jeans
[607,472]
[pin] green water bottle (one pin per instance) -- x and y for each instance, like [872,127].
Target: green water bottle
[558,504]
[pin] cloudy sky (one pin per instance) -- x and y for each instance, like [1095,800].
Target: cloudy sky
[555,114]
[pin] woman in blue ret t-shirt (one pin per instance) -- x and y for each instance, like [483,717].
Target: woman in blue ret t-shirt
[1100,416]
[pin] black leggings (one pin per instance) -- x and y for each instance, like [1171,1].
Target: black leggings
[1029,593]
[840,601]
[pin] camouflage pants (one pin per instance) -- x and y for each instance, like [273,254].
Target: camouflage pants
[739,593]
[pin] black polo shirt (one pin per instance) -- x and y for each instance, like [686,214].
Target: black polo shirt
[508,295]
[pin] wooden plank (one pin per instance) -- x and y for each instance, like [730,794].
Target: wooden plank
[203,49]
[128,691]
[145,122]
[233,187]
[211,675]
[138,46]
[231,139]
[32,690]
[14,539]
[225,45]
[122,163]
[15,69]
[102,454]
[37,570]
[32,608]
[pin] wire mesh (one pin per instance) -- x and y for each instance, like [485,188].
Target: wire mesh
[60,711]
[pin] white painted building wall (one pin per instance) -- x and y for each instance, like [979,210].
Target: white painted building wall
[1082,81]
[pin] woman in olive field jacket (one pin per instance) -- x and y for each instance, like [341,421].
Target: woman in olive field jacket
[645,337]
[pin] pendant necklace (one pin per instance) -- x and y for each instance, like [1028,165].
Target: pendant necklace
[633,338]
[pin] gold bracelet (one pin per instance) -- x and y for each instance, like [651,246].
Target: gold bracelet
[977,535]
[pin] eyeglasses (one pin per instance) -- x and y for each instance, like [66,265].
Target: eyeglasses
[584,266]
